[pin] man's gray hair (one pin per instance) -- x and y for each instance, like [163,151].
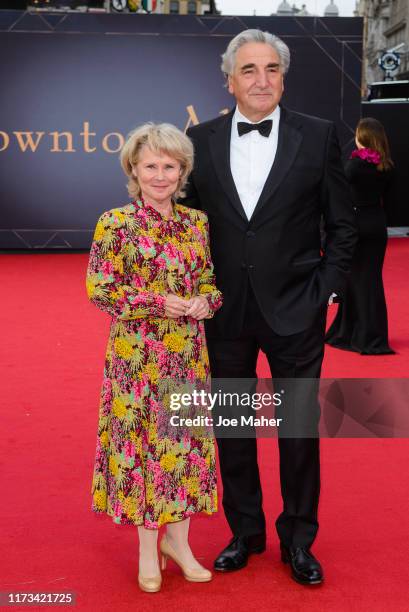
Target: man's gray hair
[255,36]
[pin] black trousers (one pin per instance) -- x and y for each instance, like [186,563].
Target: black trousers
[296,356]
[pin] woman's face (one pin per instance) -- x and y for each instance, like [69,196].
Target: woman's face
[158,175]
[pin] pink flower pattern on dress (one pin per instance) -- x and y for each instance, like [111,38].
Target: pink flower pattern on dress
[369,155]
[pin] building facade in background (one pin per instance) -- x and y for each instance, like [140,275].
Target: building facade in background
[285,9]
[183,7]
[386,27]
[166,7]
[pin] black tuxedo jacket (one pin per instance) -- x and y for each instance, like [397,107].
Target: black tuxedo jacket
[279,249]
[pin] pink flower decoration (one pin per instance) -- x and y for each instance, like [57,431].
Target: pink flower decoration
[188,282]
[107,267]
[191,376]
[369,155]
[163,359]
[196,460]
[204,474]
[146,242]
[107,390]
[182,493]
[137,478]
[137,388]
[129,449]
[138,281]
[154,467]
[118,508]
[142,213]
[170,250]
[161,263]
[153,405]
[99,452]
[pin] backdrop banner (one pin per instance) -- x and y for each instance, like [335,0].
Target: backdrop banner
[74,85]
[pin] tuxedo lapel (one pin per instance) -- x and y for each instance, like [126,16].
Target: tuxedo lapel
[289,141]
[219,142]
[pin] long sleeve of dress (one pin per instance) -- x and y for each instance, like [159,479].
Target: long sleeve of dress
[108,287]
[207,281]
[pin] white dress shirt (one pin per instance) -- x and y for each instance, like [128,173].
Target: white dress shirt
[251,158]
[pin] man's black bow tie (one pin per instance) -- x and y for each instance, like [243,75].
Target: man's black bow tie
[264,127]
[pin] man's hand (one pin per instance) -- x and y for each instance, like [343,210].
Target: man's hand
[176,306]
[331,298]
[199,307]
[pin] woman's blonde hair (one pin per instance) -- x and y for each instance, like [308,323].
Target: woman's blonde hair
[160,138]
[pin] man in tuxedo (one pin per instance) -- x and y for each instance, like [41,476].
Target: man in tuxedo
[266,177]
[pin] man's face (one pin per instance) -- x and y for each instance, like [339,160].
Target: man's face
[257,81]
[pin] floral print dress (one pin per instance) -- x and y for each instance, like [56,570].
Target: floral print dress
[136,259]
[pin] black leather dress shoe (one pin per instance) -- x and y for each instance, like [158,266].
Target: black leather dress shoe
[305,568]
[236,554]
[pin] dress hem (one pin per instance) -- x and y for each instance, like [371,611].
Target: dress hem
[345,347]
[151,524]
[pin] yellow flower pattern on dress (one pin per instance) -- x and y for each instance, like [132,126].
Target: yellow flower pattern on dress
[99,499]
[174,342]
[123,348]
[168,462]
[104,437]
[118,408]
[152,370]
[99,231]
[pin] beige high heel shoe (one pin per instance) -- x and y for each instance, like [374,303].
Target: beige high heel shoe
[150,585]
[193,575]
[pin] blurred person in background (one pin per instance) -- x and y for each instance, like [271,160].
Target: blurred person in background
[361,323]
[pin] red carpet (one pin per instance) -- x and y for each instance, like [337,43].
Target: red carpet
[51,360]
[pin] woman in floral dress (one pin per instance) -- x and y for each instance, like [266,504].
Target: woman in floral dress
[150,269]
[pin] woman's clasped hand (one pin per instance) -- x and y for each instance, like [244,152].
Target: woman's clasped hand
[196,307]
